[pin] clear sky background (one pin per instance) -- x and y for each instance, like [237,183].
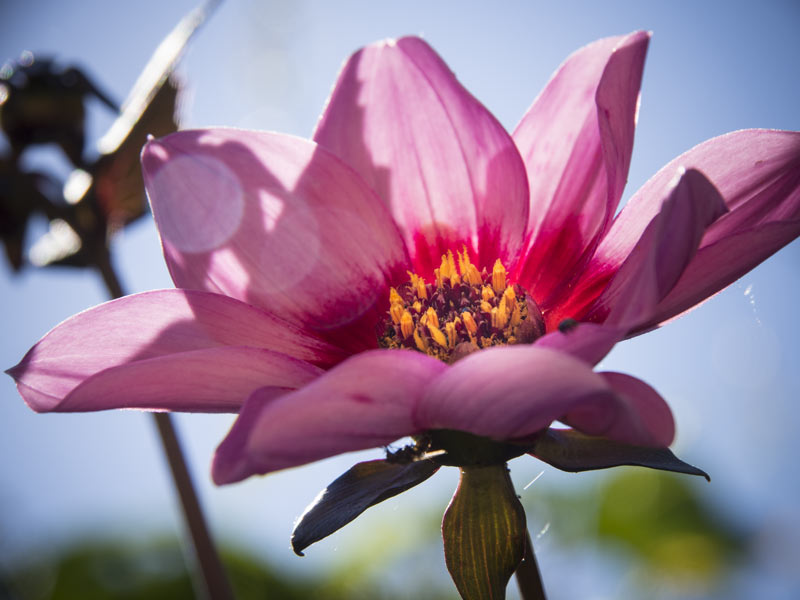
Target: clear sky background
[729,369]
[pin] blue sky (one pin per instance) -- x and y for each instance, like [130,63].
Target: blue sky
[728,369]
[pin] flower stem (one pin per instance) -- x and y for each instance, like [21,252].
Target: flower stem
[211,582]
[529,580]
[214,580]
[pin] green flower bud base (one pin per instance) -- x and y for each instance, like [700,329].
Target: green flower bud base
[484,532]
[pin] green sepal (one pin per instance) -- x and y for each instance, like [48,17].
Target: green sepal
[484,532]
[569,450]
[363,485]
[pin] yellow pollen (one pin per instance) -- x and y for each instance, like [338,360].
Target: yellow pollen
[447,267]
[504,311]
[421,291]
[406,324]
[500,316]
[469,272]
[498,277]
[421,342]
[451,263]
[450,331]
[463,260]
[437,335]
[455,279]
[516,315]
[465,307]
[396,312]
[431,318]
[510,297]
[472,276]
[418,285]
[469,322]
[394,297]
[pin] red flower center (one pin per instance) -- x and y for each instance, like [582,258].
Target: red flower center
[463,311]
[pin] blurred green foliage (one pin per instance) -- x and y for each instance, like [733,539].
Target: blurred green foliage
[663,524]
[124,570]
[665,528]
[120,570]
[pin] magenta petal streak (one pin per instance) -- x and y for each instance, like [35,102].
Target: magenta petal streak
[576,140]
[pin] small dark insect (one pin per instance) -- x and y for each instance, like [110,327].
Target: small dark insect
[567,325]
[410,453]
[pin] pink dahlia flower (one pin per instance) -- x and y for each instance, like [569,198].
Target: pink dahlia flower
[409,268]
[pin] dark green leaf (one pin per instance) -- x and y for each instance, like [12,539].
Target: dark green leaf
[364,485]
[569,450]
[484,532]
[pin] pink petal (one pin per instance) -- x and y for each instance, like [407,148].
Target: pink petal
[576,140]
[148,325]
[210,380]
[760,182]
[590,342]
[642,417]
[447,169]
[510,392]
[716,266]
[277,222]
[661,255]
[757,172]
[364,402]
[231,460]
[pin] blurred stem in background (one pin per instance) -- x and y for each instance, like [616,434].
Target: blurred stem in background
[42,102]
[211,581]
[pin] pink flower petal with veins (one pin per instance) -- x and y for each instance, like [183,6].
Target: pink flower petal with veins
[277,222]
[590,342]
[151,325]
[756,173]
[208,380]
[512,392]
[661,255]
[576,140]
[447,170]
[639,415]
[285,251]
[366,401]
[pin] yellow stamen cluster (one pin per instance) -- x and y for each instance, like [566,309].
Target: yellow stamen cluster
[464,308]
